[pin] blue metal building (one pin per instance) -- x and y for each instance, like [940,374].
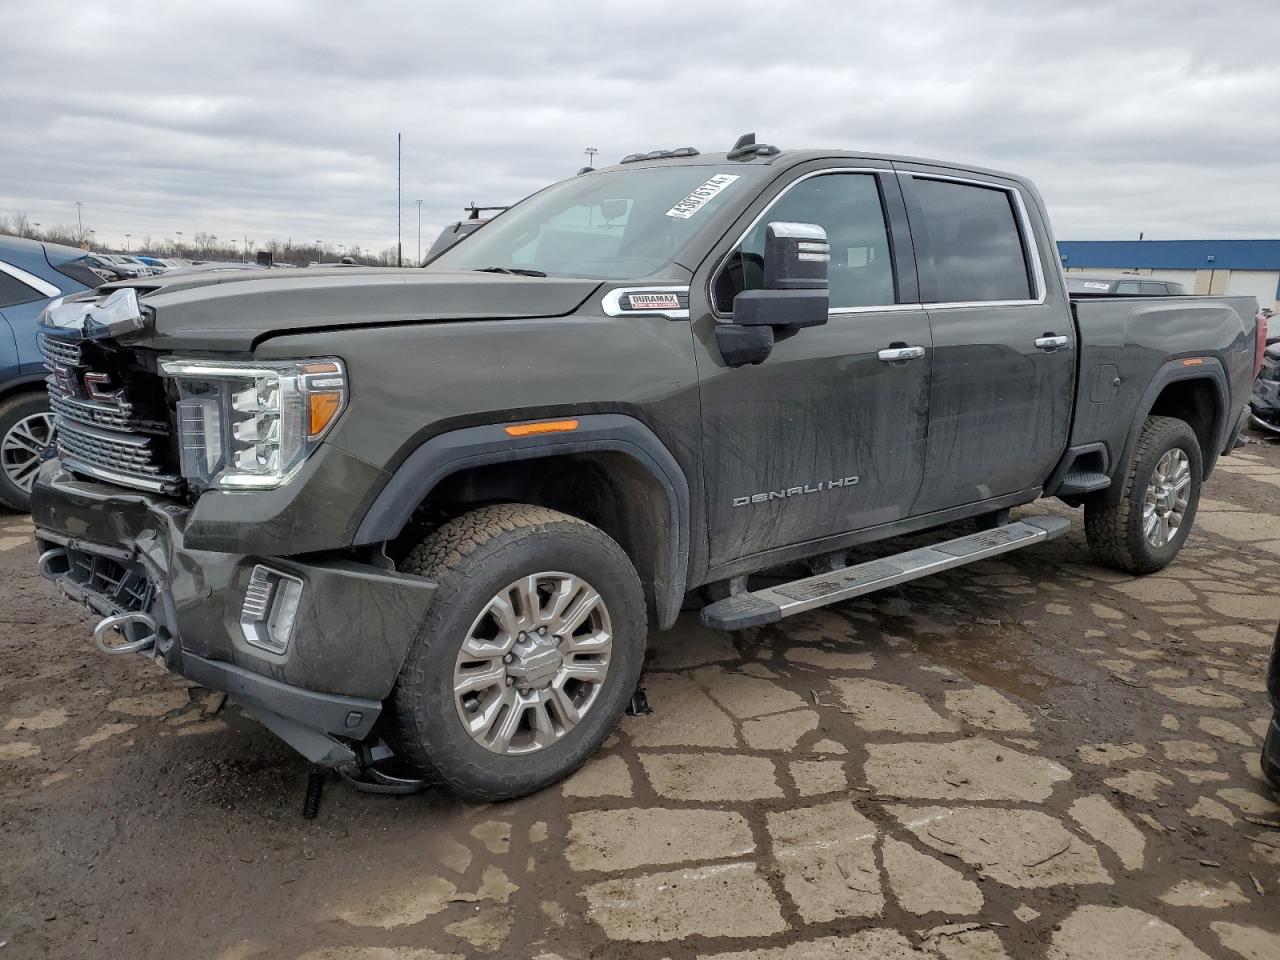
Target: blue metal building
[1245,267]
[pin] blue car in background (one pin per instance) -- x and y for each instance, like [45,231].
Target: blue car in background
[31,274]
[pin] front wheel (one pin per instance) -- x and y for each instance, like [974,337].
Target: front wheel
[531,648]
[1144,531]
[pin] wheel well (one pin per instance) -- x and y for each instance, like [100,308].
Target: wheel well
[1196,403]
[22,385]
[607,489]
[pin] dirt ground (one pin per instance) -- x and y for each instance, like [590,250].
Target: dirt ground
[1027,758]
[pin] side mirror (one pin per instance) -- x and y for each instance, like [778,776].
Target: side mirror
[795,294]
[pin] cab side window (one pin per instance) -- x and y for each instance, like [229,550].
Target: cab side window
[977,248]
[849,208]
[1129,287]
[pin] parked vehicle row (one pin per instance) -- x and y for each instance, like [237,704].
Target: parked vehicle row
[32,273]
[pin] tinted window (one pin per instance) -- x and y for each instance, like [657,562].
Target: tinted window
[1128,287]
[1154,290]
[975,242]
[848,207]
[13,291]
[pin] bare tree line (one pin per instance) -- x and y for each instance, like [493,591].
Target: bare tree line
[201,246]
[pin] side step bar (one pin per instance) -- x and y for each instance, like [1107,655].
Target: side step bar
[773,603]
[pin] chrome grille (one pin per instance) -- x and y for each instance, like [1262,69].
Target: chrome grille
[56,350]
[103,415]
[99,432]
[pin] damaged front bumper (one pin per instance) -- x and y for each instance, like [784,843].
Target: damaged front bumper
[310,646]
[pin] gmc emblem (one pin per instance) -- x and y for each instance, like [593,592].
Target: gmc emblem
[98,387]
[63,381]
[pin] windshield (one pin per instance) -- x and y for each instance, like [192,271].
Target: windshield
[620,225]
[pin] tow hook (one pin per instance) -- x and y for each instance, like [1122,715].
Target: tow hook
[116,625]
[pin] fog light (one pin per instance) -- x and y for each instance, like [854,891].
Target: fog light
[270,608]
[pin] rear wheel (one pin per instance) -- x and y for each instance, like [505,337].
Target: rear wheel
[1145,530]
[26,432]
[531,649]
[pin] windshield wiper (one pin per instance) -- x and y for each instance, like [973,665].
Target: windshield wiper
[514,271]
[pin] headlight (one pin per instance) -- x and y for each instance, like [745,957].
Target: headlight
[251,425]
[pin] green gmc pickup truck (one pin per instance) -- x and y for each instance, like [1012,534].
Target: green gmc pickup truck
[429,516]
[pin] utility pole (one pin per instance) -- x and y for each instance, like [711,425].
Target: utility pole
[419,203]
[399,248]
[591,156]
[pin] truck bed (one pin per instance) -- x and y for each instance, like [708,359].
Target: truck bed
[1131,348]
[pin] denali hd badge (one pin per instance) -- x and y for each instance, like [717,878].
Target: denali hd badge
[653,301]
[783,494]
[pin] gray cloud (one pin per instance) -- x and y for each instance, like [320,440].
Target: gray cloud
[279,119]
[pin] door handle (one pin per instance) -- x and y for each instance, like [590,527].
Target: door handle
[895,354]
[1050,343]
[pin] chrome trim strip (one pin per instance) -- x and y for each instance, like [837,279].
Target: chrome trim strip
[38,284]
[613,303]
[167,485]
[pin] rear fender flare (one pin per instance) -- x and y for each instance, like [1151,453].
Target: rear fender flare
[447,453]
[1174,371]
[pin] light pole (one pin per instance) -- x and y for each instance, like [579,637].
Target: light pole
[36,225]
[79,221]
[591,157]
[419,203]
[319,251]
[126,242]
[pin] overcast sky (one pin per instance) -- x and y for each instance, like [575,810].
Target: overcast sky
[278,119]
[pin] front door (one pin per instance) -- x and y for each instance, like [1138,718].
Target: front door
[828,434]
[1003,348]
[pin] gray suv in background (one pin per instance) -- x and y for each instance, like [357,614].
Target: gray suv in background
[1088,285]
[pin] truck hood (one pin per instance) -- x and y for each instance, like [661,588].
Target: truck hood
[232,310]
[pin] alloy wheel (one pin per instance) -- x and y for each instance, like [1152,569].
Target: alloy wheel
[533,663]
[22,449]
[1168,492]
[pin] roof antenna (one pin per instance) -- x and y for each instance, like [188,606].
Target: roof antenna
[744,147]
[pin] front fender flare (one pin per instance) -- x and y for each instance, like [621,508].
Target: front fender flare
[455,450]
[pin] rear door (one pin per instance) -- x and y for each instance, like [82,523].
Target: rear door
[827,435]
[1003,347]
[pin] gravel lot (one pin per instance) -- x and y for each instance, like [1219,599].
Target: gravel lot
[1027,758]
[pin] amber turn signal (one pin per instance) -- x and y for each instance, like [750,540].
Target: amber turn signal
[546,426]
[322,408]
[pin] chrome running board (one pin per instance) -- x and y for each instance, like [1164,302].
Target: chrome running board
[773,603]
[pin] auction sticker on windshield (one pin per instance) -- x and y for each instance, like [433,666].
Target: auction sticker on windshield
[701,196]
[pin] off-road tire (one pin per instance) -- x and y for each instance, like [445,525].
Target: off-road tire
[1114,531]
[13,409]
[472,558]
